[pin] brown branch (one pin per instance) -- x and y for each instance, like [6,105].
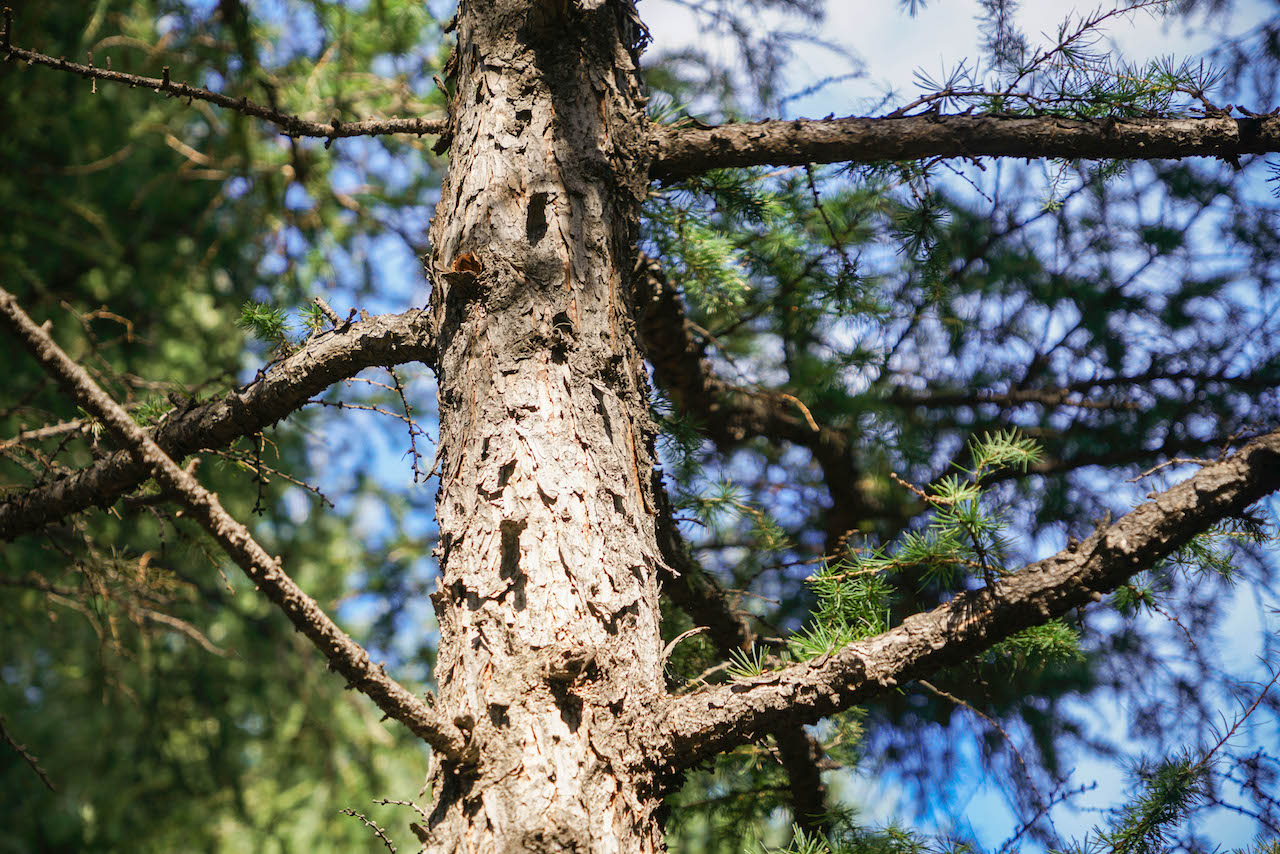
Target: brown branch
[1070,394]
[391,339]
[681,151]
[699,595]
[26,755]
[699,725]
[1047,397]
[344,655]
[731,414]
[288,124]
[1049,465]
[49,431]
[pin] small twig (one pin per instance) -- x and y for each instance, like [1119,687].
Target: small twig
[669,648]
[1171,462]
[289,124]
[1026,771]
[371,824]
[414,429]
[1044,808]
[261,469]
[836,245]
[385,802]
[1204,760]
[184,627]
[45,432]
[808,416]
[21,750]
[913,489]
[327,311]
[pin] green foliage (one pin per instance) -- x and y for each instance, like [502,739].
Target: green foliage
[1170,790]
[722,510]
[852,603]
[173,709]
[747,664]
[1040,646]
[909,308]
[852,839]
[266,323]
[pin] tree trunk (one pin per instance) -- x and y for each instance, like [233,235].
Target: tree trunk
[548,603]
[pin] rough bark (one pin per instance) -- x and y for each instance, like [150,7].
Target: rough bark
[714,720]
[681,151]
[554,733]
[548,601]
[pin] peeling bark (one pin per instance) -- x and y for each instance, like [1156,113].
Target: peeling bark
[548,602]
[680,151]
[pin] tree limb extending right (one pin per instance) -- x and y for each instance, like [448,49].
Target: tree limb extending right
[700,725]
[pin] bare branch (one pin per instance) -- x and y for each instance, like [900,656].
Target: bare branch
[702,724]
[344,655]
[288,124]
[1014,397]
[49,431]
[391,339]
[680,151]
[26,755]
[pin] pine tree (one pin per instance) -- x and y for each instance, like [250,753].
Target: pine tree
[902,430]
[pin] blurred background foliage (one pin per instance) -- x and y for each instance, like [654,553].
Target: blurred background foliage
[1119,315]
[169,705]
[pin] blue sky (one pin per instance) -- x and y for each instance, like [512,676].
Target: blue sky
[892,46]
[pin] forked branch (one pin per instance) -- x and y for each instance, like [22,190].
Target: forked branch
[344,655]
[385,340]
[699,725]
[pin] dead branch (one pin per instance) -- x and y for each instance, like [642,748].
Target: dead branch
[287,386]
[26,755]
[344,654]
[289,124]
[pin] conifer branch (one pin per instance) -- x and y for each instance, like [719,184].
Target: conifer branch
[279,390]
[27,756]
[732,414]
[700,595]
[290,125]
[344,655]
[683,151]
[700,725]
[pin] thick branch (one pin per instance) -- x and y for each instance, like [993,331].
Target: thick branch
[700,725]
[289,124]
[344,655]
[680,151]
[384,340]
[700,596]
